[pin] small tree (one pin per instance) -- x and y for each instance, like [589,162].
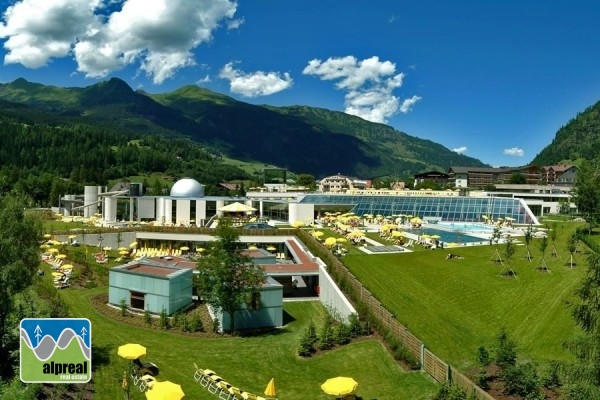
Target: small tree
[543,246]
[227,278]
[506,353]
[552,234]
[164,319]
[522,380]
[528,237]
[494,240]
[326,337]
[572,248]
[582,378]
[147,317]
[123,307]
[484,360]
[509,251]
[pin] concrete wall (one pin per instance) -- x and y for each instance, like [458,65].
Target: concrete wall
[170,294]
[270,313]
[332,297]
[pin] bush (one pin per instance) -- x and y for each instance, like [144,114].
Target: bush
[163,321]
[551,377]
[312,333]
[506,353]
[216,328]
[326,337]
[354,326]
[341,334]
[448,391]
[195,323]
[306,344]
[147,317]
[123,307]
[522,380]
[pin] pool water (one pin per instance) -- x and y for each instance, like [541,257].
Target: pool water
[449,236]
[467,227]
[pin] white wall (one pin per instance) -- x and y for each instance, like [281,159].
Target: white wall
[332,297]
[301,212]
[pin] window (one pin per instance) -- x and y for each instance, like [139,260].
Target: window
[137,300]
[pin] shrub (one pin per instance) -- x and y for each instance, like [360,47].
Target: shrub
[306,344]
[195,323]
[448,391]
[123,307]
[354,326]
[312,333]
[184,323]
[522,380]
[147,317]
[506,353]
[216,328]
[326,336]
[163,321]
[341,334]
[551,376]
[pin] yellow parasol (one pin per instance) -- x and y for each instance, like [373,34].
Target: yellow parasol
[131,351]
[57,274]
[341,240]
[270,391]
[339,386]
[67,266]
[61,256]
[271,248]
[122,249]
[297,224]
[184,248]
[107,248]
[165,390]
[123,252]
[252,247]
[53,250]
[47,236]
[330,241]
[133,244]
[71,236]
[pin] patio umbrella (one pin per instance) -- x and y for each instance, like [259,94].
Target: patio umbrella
[133,244]
[131,351]
[339,386]
[57,274]
[435,236]
[341,240]
[44,246]
[397,234]
[184,248]
[237,207]
[61,256]
[47,236]
[123,252]
[271,248]
[330,241]
[318,233]
[67,266]
[53,250]
[107,248]
[297,224]
[252,248]
[270,390]
[122,249]
[71,236]
[165,390]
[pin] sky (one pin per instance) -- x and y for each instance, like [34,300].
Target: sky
[493,80]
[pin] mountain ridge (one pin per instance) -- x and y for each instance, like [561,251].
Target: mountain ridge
[300,138]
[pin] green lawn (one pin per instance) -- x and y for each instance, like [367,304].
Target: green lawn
[454,306]
[246,362]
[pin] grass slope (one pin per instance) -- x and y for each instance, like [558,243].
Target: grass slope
[246,362]
[454,306]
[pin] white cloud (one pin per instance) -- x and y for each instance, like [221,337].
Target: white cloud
[206,79]
[460,150]
[514,151]
[159,35]
[369,85]
[255,84]
[235,23]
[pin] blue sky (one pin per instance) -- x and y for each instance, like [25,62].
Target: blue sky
[493,80]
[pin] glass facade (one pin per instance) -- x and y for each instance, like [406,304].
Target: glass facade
[468,209]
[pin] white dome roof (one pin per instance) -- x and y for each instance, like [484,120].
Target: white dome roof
[187,187]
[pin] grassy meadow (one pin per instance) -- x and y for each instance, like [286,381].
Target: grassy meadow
[454,306]
[246,362]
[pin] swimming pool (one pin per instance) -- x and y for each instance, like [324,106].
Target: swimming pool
[467,227]
[448,236]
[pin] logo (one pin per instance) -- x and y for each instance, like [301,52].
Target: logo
[56,350]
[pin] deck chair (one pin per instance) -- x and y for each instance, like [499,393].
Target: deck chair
[146,381]
[198,374]
[249,396]
[236,392]
[224,393]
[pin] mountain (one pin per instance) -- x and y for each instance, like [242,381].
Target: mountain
[300,138]
[579,138]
